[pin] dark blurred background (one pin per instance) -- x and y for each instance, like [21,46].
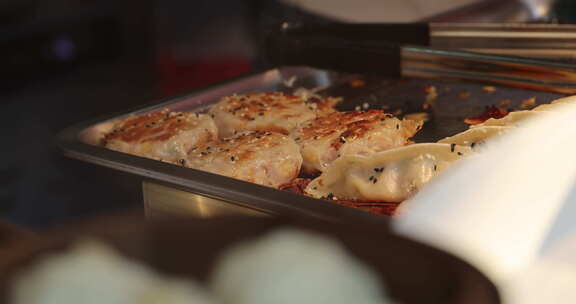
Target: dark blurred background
[65,61]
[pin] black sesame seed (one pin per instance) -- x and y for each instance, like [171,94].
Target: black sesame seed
[232,158]
[452,146]
[459,153]
[379,169]
[371,178]
[397,126]
[374,180]
[472,145]
[330,196]
[435,167]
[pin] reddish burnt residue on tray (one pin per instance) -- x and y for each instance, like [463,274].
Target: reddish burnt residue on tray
[297,185]
[380,208]
[489,112]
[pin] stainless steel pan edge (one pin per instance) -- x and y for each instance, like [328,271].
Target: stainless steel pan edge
[249,195]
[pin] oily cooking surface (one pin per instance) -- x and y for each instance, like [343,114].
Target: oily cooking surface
[276,112]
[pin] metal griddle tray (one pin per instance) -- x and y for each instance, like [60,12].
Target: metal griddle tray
[178,190]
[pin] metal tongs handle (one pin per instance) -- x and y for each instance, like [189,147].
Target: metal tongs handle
[397,60]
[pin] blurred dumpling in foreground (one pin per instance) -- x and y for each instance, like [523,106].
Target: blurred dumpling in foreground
[93,273]
[292,266]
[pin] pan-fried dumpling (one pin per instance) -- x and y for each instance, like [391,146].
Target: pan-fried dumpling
[275,112]
[337,134]
[166,136]
[389,176]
